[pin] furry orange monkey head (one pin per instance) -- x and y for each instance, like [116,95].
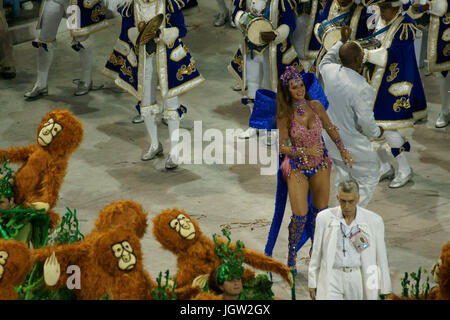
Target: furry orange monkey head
[60,132]
[123,213]
[441,272]
[175,230]
[15,262]
[118,251]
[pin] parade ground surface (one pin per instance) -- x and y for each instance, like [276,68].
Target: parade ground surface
[107,165]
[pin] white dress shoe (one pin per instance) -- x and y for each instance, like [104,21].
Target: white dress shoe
[152,152]
[387,175]
[400,180]
[442,120]
[221,19]
[237,87]
[138,119]
[171,163]
[82,88]
[36,92]
[250,132]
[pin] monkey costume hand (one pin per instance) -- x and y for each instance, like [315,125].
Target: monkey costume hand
[39,205]
[200,281]
[52,270]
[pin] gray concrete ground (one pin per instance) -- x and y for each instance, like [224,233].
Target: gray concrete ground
[107,166]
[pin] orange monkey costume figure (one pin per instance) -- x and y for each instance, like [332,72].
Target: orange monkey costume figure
[37,182]
[15,264]
[441,274]
[109,258]
[180,234]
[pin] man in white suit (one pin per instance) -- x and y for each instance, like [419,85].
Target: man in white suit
[351,99]
[349,260]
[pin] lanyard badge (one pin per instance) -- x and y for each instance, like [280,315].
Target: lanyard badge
[360,240]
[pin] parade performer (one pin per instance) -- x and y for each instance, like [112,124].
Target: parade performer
[438,49]
[264,61]
[342,13]
[400,98]
[352,114]
[160,57]
[305,165]
[196,255]
[44,164]
[223,16]
[84,18]
[16,221]
[308,14]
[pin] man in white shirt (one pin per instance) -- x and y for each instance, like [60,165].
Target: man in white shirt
[351,99]
[349,260]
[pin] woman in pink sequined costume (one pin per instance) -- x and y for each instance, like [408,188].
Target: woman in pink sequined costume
[306,166]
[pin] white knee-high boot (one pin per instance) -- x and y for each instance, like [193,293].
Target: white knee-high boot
[149,115]
[404,173]
[173,123]
[174,136]
[45,58]
[444,91]
[86,60]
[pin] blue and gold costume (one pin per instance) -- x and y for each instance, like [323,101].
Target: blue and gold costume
[176,69]
[308,42]
[400,98]
[279,12]
[439,42]
[354,15]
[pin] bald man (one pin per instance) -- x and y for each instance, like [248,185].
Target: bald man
[351,99]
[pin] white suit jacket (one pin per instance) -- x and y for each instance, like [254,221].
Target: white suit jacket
[374,263]
[351,99]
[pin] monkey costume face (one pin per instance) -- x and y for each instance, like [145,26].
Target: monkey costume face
[59,132]
[123,213]
[175,230]
[118,251]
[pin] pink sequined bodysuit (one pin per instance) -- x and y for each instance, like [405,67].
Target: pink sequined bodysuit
[304,138]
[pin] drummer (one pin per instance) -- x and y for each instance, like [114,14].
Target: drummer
[309,12]
[400,98]
[337,13]
[251,64]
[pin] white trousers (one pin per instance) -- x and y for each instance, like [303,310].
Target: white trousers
[345,285]
[149,109]
[170,105]
[444,90]
[299,35]
[52,14]
[257,71]
[366,174]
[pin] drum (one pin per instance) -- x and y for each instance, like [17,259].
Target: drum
[328,33]
[253,29]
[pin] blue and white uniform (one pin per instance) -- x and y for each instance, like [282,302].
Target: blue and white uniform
[253,65]
[171,65]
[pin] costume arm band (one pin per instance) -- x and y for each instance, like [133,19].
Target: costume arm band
[438,7]
[376,56]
